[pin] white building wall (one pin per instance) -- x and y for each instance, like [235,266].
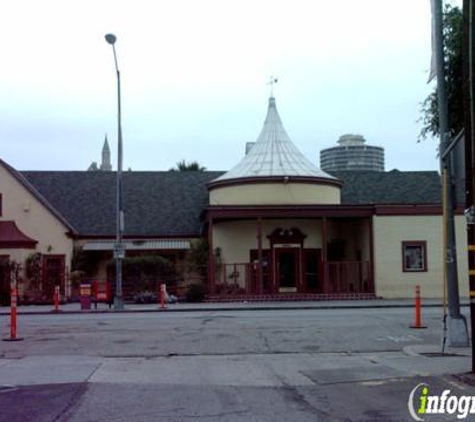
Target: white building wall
[391,231]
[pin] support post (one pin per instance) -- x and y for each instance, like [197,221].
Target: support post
[469,106]
[326,287]
[371,287]
[457,328]
[260,278]
[211,266]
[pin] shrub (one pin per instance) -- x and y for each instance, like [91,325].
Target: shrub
[195,293]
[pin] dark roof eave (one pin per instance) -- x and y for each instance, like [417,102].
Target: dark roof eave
[274,179]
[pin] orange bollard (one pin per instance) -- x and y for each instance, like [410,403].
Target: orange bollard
[56,299]
[13,316]
[418,313]
[163,291]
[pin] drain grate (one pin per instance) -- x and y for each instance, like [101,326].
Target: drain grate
[441,355]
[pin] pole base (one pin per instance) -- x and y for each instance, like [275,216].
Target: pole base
[13,339]
[457,332]
[118,303]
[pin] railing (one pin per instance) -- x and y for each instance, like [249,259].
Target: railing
[350,277]
[233,279]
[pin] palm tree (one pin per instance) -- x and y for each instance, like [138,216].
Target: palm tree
[191,166]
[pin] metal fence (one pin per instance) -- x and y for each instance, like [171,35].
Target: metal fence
[233,279]
[350,277]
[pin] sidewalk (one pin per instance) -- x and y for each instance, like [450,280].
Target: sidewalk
[74,308]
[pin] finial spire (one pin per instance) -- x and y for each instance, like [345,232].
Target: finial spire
[106,144]
[272,80]
[106,156]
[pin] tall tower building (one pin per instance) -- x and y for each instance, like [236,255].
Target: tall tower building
[352,153]
[106,157]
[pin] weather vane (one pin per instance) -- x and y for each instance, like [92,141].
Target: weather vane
[273,80]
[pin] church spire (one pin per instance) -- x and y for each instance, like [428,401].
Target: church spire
[106,156]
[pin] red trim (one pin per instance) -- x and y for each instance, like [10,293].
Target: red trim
[319,211]
[18,245]
[274,179]
[139,237]
[11,237]
[423,245]
[289,236]
[301,211]
[413,209]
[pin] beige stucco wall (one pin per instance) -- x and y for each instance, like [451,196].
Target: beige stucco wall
[236,238]
[33,219]
[275,194]
[390,232]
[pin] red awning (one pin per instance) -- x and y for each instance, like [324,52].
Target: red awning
[12,238]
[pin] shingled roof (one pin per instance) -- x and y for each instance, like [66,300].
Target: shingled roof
[156,203]
[392,187]
[170,203]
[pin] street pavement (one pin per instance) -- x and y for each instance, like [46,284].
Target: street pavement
[75,307]
[320,364]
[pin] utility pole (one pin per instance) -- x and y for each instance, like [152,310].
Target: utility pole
[119,249]
[469,107]
[457,325]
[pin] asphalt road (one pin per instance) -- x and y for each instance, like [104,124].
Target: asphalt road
[214,333]
[306,365]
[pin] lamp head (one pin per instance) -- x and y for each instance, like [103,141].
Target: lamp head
[111,38]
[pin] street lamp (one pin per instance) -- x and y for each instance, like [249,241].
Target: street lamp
[119,249]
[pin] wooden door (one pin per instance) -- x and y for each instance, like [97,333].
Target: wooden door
[287,269]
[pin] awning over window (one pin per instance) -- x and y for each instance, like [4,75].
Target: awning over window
[12,238]
[139,245]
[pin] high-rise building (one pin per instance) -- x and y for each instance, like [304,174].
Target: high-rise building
[352,153]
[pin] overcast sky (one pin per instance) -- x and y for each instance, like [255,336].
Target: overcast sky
[194,79]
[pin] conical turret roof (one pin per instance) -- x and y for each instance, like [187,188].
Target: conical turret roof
[273,154]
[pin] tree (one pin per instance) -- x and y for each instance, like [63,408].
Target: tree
[452,21]
[191,166]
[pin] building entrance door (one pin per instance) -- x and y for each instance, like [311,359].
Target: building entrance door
[53,274]
[287,269]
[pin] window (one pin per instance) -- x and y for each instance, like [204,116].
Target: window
[414,256]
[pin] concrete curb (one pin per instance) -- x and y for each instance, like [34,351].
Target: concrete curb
[225,308]
[450,352]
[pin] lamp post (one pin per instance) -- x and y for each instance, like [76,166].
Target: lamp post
[119,249]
